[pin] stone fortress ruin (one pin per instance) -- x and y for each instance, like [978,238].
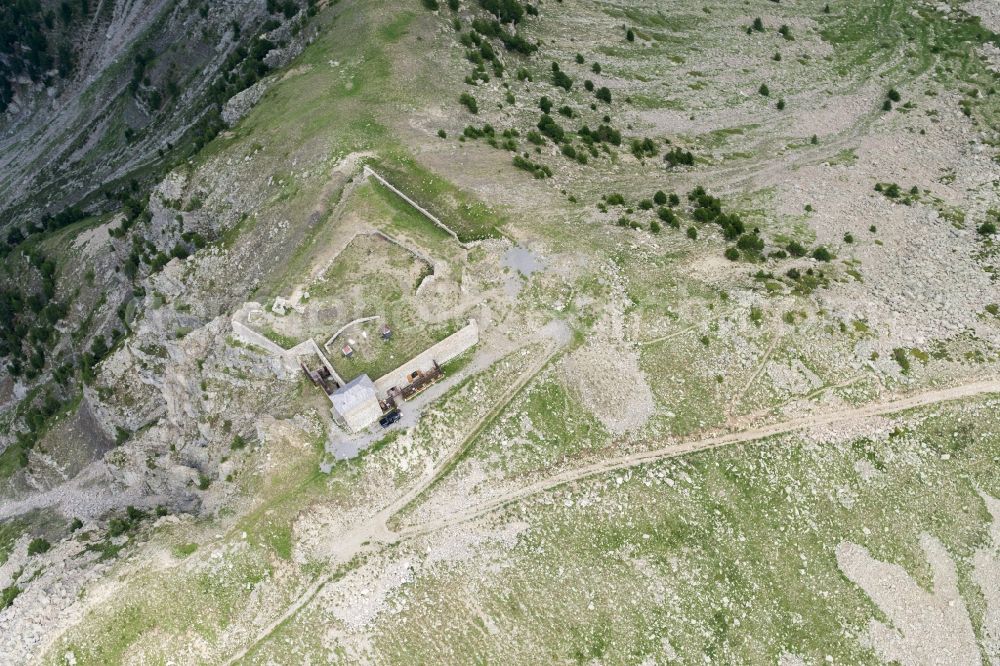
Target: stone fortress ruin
[358,403]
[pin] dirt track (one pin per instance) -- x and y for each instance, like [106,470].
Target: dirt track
[762,432]
[374,534]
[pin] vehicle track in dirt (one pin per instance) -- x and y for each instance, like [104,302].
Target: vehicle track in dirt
[373,535]
[924,399]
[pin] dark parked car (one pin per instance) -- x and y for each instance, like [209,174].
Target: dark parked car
[390,418]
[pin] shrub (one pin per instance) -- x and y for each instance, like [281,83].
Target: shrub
[750,243]
[669,217]
[643,148]
[545,104]
[75,524]
[786,32]
[539,171]
[848,238]
[442,134]
[615,199]
[732,226]
[508,11]
[758,25]
[732,254]
[822,254]
[780,105]
[122,435]
[674,200]
[796,249]
[887,105]
[38,546]
[987,228]
[469,102]
[551,128]
[678,157]
[899,354]
[117,527]
[579,58]
[561,80]
[777,56]
[890,190]
[630,35]
[603,134]
[660,198]
[535,138]
[646,204]
[596,68]
[654,226]
[692,233]
[8,594]
[707,208]
[893,95]
[515,42]
[565,110]
[603,94]
[588,85]
[238,443]
[764,90]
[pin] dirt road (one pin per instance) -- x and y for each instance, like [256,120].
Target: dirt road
[762,432]
[375,534]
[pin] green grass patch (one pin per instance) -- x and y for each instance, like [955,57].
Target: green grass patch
[470,218]
[10,532]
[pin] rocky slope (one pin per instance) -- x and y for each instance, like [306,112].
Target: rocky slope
[145,76]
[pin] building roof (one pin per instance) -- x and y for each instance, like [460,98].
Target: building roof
[353,394]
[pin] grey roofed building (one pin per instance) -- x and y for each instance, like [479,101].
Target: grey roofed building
[356,403]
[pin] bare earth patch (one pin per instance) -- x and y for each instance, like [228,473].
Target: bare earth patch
[611,385]
[924,627]
[986,573]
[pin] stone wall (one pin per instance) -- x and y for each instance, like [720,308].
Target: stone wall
[442,352]
[245,334]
